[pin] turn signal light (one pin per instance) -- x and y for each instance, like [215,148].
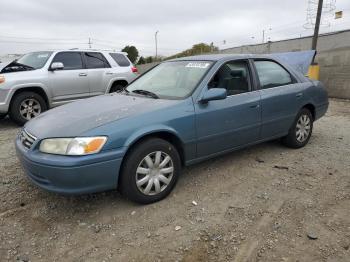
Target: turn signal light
[2,79]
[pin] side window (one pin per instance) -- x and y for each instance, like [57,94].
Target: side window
[70,60]
[272,74]
[233,76]
[95,60]
[120,59]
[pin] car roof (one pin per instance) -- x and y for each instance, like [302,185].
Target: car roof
[89,50]
[218,57]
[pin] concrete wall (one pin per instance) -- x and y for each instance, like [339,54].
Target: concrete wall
[333,57]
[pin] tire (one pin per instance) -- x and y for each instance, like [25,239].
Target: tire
[301,130]
[117,88]
[137,168]
[35,106]
[2,116]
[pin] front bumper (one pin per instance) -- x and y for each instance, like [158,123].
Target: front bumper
[71,175]
[5,95]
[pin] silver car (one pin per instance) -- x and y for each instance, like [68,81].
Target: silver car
[41,80]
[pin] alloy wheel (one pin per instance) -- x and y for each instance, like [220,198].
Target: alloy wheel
[30,108]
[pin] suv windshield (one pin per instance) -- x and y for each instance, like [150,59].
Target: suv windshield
[35,60]
[171,80]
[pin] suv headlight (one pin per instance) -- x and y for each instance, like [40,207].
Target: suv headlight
[77,146]
[2,79]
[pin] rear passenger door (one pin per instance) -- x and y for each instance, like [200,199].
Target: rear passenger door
[71,82]
[97,69]
[279,92]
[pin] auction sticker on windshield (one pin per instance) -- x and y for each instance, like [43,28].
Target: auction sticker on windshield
[198,65]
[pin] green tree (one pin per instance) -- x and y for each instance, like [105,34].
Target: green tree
[141,61]
[132,51]
[196,49]
[149,59]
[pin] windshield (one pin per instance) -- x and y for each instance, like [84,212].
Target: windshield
[36,59]
[172,80]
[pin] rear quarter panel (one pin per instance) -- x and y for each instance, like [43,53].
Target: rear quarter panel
[316,95]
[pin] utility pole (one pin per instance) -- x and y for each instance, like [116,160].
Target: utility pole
[263,34]
[156,39]
[317,25]
[90,43]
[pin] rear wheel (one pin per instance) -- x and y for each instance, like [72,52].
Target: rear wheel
[25,106]
[117,88]
[150,171]
[301,130]
[2,116]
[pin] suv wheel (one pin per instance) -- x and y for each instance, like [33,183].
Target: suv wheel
[301,130]
[25,106]
[2,116]
[117,88]
[150,171]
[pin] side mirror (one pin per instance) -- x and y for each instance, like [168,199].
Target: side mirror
[56,66]
[214,94]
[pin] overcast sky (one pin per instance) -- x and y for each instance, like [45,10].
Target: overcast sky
[30,25]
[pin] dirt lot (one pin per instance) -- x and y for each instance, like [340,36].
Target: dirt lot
[264,203]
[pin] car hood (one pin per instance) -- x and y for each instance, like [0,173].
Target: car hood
[78,117]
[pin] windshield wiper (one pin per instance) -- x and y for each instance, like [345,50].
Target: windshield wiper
[146,93]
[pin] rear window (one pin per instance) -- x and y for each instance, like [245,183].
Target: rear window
[272,74]
[120,59]
[95,60]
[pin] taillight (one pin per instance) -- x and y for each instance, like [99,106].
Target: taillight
[134,69]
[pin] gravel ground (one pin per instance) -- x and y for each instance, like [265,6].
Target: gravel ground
[264,203]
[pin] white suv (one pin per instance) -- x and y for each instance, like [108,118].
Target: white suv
[41,80]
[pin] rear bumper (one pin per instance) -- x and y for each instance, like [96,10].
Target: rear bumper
[77,175]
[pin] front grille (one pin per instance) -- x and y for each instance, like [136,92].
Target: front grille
[26,139]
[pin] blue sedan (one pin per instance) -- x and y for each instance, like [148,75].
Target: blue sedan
[179,113]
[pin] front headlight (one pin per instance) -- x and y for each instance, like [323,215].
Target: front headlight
[2,79]
[77,146]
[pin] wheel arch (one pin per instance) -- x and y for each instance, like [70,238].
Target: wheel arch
[166,134]
[36,89]
[312,109]
[113,82]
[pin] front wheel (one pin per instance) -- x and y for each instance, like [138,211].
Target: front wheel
[117,88]
[150,171]
[301,130]
[2,116]
[25,106]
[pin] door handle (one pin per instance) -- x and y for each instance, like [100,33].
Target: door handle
[82,74]
[254,106]
[299,95]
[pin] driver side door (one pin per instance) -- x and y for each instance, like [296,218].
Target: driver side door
[232,122]
[71,82]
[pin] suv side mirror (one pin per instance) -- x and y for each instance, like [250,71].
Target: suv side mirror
[56,66]
[214,94]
